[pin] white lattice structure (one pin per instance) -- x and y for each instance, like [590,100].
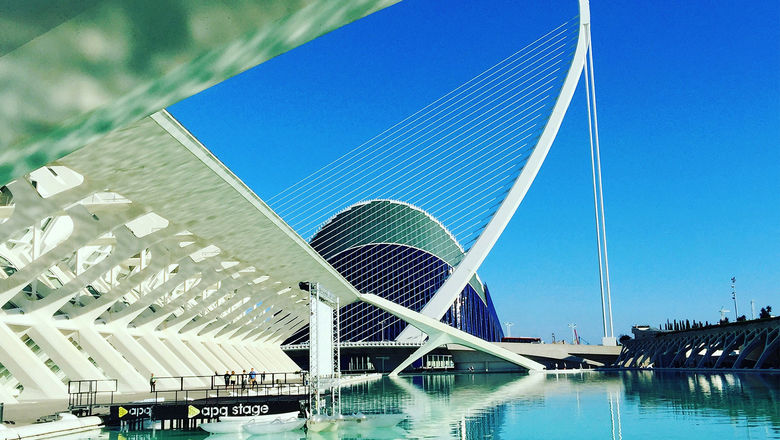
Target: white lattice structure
[142,254]
[126,248]
[133,251]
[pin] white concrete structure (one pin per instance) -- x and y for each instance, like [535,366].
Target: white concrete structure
[127,249]
[140,254]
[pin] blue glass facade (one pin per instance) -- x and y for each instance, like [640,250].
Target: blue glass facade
[364,244]
[408,277]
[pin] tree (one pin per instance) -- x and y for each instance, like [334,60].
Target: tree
[624,338]
[766,312]
[741,318]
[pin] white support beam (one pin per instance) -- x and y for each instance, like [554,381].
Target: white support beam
[75,364]
[165,356]
[243,363]
[39,382]
[442,300]
[439,331]
[265,356]
[111,361]
[231,363]
[193,362]
[144,362]
[214,362]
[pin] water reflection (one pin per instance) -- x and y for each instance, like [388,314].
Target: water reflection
[584,406]
[746,395]
[587,405]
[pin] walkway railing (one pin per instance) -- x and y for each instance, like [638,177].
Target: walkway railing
[83,394]
[178,388]
[305,345]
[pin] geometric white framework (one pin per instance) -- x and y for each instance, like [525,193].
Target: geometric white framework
[142,254]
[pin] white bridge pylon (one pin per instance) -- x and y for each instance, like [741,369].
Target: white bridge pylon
[440,334]
[446,295]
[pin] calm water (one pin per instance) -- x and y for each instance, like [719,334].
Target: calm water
[630,405]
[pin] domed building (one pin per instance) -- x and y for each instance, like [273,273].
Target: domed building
[399,252]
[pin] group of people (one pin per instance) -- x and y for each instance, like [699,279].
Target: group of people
[244,379]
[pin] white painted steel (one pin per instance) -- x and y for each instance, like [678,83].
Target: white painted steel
[596,215]
[445,296]
[444,334]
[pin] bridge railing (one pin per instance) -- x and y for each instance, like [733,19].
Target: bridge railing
[179,388]
[83,394]
[305,345]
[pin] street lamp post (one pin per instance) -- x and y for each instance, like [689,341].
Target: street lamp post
[734,297]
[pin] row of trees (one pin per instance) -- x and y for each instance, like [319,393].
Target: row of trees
[674,325]
[682,325]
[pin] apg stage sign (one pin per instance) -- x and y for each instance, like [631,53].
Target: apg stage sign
[204,410]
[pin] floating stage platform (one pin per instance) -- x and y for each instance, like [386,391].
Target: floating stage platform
[188,414]
[184,402]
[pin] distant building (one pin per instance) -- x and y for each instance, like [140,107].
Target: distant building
[644,331]
[401,253]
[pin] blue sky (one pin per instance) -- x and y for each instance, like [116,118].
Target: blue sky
[689,116]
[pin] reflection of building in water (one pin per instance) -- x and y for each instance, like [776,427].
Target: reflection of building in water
[481,424]
[158,435]
[614,415]
[685,393]
[467,406]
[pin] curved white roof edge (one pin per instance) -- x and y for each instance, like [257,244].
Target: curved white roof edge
[396,202]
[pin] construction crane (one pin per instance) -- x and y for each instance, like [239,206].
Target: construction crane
[574,338]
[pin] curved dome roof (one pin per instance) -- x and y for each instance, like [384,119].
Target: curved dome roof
[389,221]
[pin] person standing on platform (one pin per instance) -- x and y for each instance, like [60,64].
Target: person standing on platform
[152,383]
[252,378]
[227,378]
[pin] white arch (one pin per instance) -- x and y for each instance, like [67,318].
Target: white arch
[447,293]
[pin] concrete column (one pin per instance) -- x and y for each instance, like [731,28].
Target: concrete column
[38,380]
[112,362]
[165,356]
[74,363]
[196,364]
[145,363]
[207,356]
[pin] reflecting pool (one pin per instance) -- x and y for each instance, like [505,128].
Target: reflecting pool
[627,405]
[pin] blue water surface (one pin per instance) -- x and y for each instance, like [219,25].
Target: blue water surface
[595,405]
